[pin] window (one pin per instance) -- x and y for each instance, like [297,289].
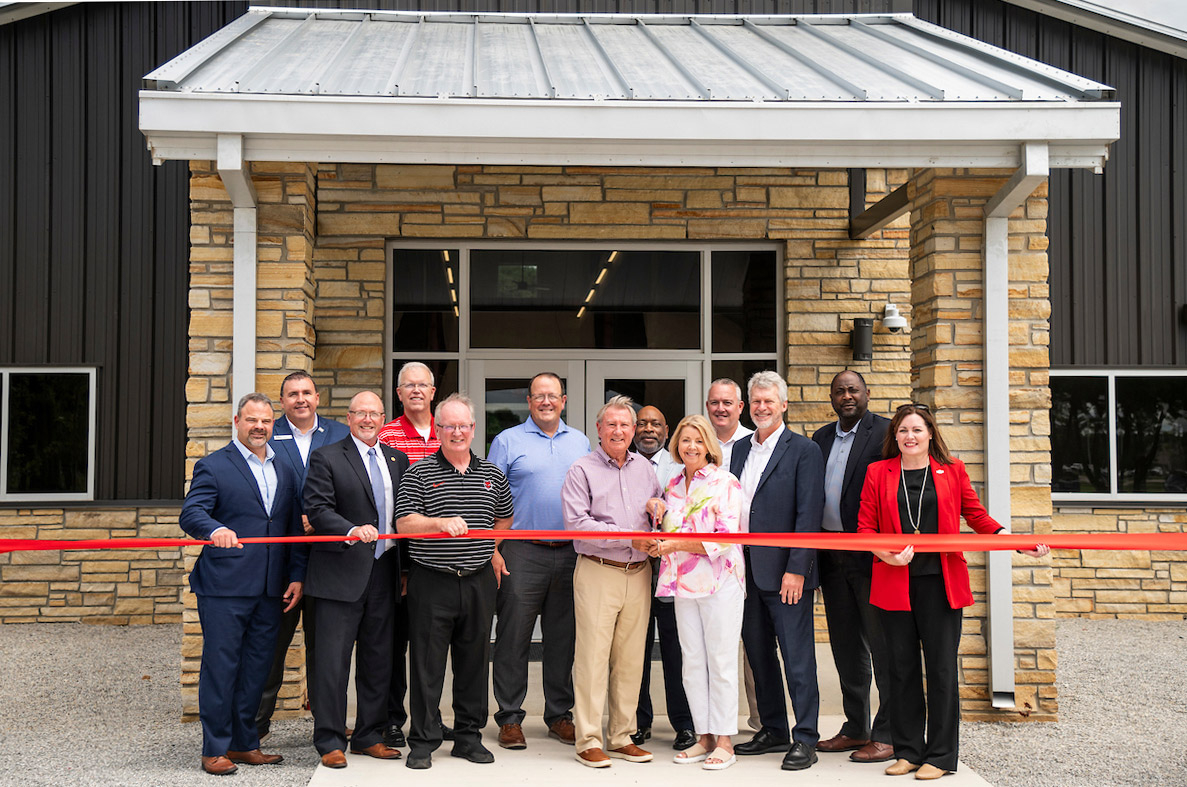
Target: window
[47,433]
[1119,435]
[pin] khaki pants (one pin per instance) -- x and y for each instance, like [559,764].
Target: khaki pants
[611,607]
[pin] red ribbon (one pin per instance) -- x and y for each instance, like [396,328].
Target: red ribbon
[851,542]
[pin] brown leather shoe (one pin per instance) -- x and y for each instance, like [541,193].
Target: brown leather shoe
[254,757]
[511,737]
[379,751]
[874,751]
[901,767]
[218,766]
[630,753]
[334,759]
[563,730]
[594,758]
[841,742]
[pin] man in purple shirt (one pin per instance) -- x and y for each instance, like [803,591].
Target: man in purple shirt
[608,489]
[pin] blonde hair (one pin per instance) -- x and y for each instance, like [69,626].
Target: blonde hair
[708,436]
[618,403]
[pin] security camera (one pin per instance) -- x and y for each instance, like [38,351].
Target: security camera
[893,321]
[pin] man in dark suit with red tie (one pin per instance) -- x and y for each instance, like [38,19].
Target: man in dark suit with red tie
[350,489]
[295,436]
[242,590]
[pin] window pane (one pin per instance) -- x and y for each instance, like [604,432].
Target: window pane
[1079,434]
[424,300]
[585,299]
[48,417]
[444,377]
[667,396]
[744,301]
[1152,435]
[740,372]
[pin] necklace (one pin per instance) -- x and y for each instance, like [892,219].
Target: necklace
[917,519]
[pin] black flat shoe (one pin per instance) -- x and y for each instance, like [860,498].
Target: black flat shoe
[474,753]
[800,757]
[643,734]
[765,740]
[393,737]
[419,762]
[685,739]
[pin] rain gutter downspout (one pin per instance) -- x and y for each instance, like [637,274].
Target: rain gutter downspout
[234,172]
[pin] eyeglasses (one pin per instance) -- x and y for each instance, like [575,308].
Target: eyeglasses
[415,386]
[372,414]
[548,397]
[463,428]
[913,405]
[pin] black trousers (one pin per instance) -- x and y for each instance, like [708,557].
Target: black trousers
[934,625]
[663,618]
[858,645]
[540,585]
[396,714]
[448,616]
[767,621]
[363,626]
[288,628]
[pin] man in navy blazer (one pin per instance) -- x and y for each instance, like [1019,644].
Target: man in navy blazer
[782,477]
[294,437]
[242,589]
[849,445]
[350,490]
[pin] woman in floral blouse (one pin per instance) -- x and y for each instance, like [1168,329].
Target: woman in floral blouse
[708,582]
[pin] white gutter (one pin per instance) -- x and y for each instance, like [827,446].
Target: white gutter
[233,169]
[999,579]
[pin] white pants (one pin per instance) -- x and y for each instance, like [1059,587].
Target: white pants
[710,628]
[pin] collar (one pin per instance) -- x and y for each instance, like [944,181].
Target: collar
[247,453]
[605,457]
[363,447]
[409,429]
[770,442]
[739,433]
[530,426]
[445,463]
[298,433]
[842,433]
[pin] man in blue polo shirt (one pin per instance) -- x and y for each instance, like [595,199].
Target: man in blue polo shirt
[535,456]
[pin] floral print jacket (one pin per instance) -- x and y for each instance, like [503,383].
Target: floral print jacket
[711,504]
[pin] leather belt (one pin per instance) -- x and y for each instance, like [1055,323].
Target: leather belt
[454,572]
[616,563]
[552,544]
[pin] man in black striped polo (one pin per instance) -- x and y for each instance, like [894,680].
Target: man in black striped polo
[452,583]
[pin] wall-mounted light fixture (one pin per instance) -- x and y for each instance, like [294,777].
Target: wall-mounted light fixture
[862,339]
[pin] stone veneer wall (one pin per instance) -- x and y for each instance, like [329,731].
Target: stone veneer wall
[90,586]
[1102,584]
[947,231]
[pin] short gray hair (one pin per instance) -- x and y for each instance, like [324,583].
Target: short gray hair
[411,365]
[767,380]
[726,381]
[459,398]
[618,403]
[253,397]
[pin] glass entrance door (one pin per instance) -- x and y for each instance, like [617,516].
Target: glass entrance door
[500,388]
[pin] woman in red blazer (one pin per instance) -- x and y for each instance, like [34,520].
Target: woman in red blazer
[921,488]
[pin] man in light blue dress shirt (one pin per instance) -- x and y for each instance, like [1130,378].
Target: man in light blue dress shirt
[535,456]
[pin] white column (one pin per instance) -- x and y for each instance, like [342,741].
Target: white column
[233,170]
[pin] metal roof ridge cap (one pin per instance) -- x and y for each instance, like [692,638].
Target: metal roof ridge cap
[237,29]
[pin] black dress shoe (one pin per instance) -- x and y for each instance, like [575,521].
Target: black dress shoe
[640,735]
[419,761]
[393,737]
[474,752]
[446,732]
[685,739]
[800,756]
[764,740]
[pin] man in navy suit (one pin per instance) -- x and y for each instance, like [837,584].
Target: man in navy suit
[294,437]
[241,491]
[782,477]
[849,445]
[350,490]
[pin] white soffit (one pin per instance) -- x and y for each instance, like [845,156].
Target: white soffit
[825,90]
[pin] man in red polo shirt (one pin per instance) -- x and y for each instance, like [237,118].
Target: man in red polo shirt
[415,434]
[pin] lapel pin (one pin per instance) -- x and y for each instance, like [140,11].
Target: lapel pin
[939,471]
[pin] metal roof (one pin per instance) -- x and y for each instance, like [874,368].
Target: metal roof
[629,90]
[877,57]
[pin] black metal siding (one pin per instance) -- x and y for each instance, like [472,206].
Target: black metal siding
[93,238]
[1118,252]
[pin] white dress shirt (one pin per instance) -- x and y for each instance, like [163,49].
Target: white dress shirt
[727,446]
[389,502]
[756,464]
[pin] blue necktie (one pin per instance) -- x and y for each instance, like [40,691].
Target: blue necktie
[380,498]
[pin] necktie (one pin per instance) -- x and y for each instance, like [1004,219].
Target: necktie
[380,499]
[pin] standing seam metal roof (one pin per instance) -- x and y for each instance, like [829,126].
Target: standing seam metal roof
[611,57]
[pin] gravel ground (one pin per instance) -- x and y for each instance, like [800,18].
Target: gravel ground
[98,705]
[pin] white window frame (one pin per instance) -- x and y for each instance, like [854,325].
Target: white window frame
[465,353]
[1110,376]
[5,377]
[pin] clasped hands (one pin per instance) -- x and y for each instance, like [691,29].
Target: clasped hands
[904,558]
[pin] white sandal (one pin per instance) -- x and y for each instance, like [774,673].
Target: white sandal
[724,760]
[694,753]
